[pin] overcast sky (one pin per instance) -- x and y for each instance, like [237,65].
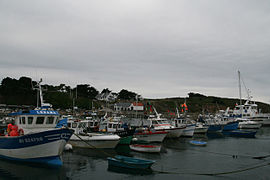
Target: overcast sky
[156,48]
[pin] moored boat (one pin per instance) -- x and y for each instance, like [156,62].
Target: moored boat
[38,141]
[129,162]
[162,124]
[198,143]
[241,133]
[145,148]
[84,139]
[150,136]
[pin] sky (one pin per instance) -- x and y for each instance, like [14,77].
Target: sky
[156,48]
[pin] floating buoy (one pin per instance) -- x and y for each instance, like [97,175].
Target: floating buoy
[68,147]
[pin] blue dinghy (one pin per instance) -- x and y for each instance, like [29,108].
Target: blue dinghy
[198,143]
[129,162]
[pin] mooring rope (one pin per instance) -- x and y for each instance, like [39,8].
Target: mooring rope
[215,174]
[92,146]
[225,154]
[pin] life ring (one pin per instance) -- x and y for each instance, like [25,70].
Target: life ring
[21,132]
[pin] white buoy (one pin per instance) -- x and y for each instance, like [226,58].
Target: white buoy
[68,147]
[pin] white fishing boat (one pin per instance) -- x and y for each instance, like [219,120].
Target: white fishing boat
[147,135]
[248,124]
[200,128]
[145,148]
[83,139]
[116,126]
[162,124]
[247,113]
[184,121]
[39,141]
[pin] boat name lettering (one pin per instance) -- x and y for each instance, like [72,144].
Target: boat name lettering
[29,140]
[65,135]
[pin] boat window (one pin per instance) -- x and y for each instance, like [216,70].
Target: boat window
[74,125]
[96,123]
[49,120]
[57,120]
[23,120]
[82,125]
[30,120]
[69,125]
[40,120]
[115,126]
[110,125]
[91,124]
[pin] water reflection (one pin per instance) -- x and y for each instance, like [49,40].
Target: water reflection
[130,171]
[14,170]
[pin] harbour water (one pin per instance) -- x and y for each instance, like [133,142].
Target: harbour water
[222,158]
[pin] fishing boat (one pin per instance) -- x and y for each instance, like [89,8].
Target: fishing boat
[39,141]
[182,121]
[241,133]
[145,148]
[148,135]
[200,128]
[198,143]
[162,124]
[248,124]
[84,139]
[129,162]
[116,126]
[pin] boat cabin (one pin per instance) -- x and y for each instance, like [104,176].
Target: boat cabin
[36,120]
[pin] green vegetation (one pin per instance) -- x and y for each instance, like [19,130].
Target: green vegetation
[22,92]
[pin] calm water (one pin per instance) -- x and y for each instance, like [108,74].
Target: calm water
[178,160]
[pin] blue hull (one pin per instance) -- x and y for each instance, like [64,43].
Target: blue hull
[20,144]
[241,133]
[214,128]
[127,162]
[231,126]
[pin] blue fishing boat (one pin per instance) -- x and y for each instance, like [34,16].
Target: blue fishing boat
[38,140]
[198,143]
[231,126]
[214,128]
[129,162]
[241,133]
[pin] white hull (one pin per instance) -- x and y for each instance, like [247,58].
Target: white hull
[249,125]
[188,131]
[54,148]
[200,130]
[150,137]
[94,141]
[174,132]
[145,148]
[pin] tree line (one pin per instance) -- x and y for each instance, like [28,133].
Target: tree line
[24,92]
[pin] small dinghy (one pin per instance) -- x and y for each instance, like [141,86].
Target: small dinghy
[129,162]
[145,148]
[198,143]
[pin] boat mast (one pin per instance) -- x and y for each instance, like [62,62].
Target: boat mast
[240,95]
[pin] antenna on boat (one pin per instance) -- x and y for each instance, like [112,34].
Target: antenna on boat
[240,95]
